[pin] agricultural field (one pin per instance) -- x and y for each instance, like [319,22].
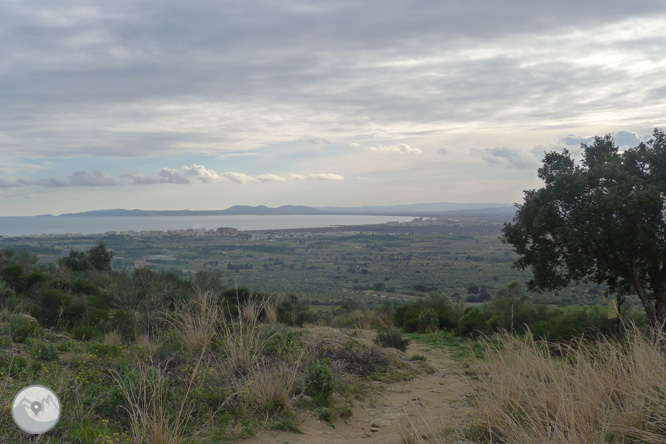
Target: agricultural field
[463,258]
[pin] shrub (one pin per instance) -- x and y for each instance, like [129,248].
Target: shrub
[412,317]
[392,338]
[23,326]
[125,325]
[352,357]
[292,311]
[472,323]
[319,381]
[84,332]
[44,351]
[51,304]
[282,342]
[427,321]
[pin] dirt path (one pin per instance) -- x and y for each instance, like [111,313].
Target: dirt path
[428,403]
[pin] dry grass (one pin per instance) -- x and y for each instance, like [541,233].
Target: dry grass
[594,392]
[148,404]
[270,312]
[112,338]
[271,388]
[198,321]
[241,339]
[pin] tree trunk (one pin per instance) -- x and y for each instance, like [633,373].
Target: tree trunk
[650,310]
[659,322]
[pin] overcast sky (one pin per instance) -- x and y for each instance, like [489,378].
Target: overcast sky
[161,104]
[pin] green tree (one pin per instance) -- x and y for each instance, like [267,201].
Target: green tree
[97,257]
[602,219]
[76,261]
[100,257]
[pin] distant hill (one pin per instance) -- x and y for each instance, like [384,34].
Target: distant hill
[419,209]
[235,210]
[423,209]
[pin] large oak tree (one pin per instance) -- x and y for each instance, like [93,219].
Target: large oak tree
[602,219]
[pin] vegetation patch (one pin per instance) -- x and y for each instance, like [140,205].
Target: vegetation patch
[597,391]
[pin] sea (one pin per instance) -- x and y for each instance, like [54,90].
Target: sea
[59,225]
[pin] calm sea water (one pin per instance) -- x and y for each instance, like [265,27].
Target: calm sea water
[26,226]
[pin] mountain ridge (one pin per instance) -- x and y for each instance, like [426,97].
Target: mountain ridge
[422,209]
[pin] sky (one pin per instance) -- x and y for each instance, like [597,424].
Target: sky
[205,104]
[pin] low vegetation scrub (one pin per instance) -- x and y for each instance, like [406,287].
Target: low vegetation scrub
[510,309]
[319,381]
[22,327]
[147,357]
[391,337]
[605,391]
[44,351]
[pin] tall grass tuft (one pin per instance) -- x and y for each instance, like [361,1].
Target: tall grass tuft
[602,391]
[150,405]
[198,320]
[271,387]
[242,341]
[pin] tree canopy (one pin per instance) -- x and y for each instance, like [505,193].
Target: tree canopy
[602,219]
[97,257]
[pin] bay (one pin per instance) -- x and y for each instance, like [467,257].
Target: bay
[36,225]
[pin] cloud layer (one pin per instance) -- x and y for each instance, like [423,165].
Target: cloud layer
[184,175]
[109,97]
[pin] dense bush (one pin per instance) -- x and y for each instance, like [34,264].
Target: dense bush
[293,311]
[427,321]
[50,306]
[473,322]
[23,326]
[319,381]
[391,337]
[434,312]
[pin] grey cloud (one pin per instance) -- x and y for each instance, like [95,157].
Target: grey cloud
[443,151]
[572,139]
[8,184]
[629,139]
[164,175]
[51,182]
[513,158]
[623,139]
[80,79]
[94,178]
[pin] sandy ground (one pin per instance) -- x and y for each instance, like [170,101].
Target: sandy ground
[432,401]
